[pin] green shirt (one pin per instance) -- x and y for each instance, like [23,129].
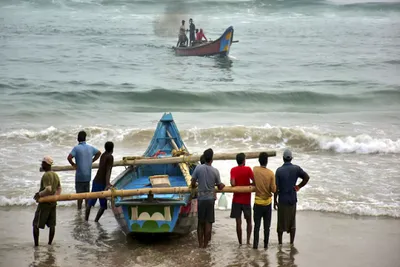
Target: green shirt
[50,178]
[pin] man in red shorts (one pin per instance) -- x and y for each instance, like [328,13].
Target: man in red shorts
[241,176]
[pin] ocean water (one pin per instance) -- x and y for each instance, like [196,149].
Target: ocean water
[319,77]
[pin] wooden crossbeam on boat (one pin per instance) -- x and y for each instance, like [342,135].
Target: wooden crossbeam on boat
[169,160]
[141,191]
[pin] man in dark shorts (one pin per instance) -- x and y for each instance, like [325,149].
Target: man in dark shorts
[286,178]
[241,175]
[46,212]
[84,155]
[102,180]
[207,177]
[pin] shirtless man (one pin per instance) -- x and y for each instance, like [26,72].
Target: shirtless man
[102,180]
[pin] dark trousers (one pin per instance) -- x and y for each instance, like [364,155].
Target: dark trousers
[192,38]
[262,212]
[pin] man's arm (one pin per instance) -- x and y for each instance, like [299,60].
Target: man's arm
[58,191]
[71,156]
[251,176]
[110,163]
[276,191]
[193,183]
[273,184]
[194,178]
[233,182]
[48,190]
[96,153]
[305,178]
[218,182]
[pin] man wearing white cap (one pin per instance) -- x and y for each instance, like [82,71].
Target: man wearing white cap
[46,212]
[286,178]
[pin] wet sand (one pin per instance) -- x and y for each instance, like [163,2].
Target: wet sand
[323,239]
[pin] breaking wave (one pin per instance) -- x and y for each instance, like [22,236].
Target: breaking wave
[300,138]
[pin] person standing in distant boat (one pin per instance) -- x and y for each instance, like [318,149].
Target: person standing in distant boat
[241,175]
[207,177]
[46,212]
[286,179]
[264,180]
[84,155]
[182,38]
[192,29]
[101,181]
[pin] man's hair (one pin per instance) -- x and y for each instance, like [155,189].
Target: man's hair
[81,136]
[287,159]
[109,146]
[263,158]
[240,158]
[202,160]
[183,21]
[208,155]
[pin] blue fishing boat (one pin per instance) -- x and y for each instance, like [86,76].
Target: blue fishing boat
[158,213]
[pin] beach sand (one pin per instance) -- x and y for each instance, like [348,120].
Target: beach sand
[323,239]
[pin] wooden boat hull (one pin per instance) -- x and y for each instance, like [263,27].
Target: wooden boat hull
[220,47]
[159,213]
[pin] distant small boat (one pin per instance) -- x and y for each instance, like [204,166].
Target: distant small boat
[220,47]
[158,213]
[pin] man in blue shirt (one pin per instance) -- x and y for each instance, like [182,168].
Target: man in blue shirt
[286,178]
[84,155]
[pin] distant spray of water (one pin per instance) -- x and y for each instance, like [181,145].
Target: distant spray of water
[167,24]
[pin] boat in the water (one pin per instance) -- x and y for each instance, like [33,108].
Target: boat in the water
[220,47]
[158,213]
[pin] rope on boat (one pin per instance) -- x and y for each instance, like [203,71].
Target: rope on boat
[179,152]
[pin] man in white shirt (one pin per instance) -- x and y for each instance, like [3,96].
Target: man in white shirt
[182,38]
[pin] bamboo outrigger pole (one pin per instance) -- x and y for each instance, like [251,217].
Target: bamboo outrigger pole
[131,161]
[141,191]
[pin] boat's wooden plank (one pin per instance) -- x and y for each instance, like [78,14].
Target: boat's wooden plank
[152,203]
[170,160]
[142,191]
[172,197]
[144,182]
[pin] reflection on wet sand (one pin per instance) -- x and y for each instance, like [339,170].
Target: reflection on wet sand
[285,257]
[81,230]
[97,243]
[251,257]
[44,257]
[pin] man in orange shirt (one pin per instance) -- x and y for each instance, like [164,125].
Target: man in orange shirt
[264,180]
[241,176]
